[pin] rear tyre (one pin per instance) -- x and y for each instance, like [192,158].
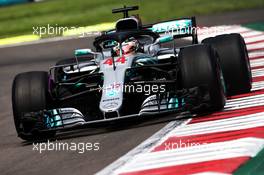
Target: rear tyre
[30,94]
[199,67]
[234,62]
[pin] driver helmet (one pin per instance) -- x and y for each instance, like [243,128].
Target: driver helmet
[128,47]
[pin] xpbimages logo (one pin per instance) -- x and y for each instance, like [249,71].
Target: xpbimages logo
[56,30]
[80,147]
[147,89]
[181,144]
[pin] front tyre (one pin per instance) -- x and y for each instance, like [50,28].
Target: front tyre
[30,94]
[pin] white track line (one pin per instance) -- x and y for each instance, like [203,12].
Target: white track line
[207,152]
[254,39]
[257,62]
[251,34]
[229,124]
[255,46]
[258,72]
[256,54]
[257,85]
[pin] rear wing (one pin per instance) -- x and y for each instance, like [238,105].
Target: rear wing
[179,28]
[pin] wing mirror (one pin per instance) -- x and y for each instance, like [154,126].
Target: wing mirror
[82,52]
[109,44]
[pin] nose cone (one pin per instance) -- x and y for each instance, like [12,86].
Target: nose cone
[112,98]
[112,91]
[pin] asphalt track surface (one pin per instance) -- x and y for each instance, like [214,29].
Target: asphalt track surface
[17,156]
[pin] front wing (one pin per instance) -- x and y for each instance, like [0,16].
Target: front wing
[193,100]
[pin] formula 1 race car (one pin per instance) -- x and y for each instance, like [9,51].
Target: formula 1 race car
[132,74]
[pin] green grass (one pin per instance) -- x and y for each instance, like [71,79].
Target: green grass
[19,19]
[256,26]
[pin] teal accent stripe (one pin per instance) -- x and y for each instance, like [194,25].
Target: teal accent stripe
[175,103]
[57,118]
[254,166]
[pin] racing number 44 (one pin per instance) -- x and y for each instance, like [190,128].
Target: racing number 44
[109,61]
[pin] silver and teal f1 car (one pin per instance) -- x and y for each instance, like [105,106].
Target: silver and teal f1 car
[132,73]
